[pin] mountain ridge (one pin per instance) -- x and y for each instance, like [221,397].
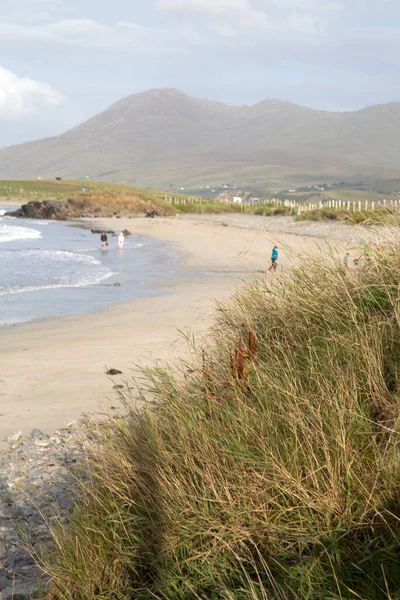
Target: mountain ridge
[164,137]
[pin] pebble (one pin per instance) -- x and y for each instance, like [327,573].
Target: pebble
[37,481]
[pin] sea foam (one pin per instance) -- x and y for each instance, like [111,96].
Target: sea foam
[10,233]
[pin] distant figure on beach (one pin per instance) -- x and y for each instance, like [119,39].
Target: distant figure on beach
[103,239]
[274,259]
[346,260]
[121,240]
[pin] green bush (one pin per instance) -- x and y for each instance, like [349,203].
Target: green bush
[270,470]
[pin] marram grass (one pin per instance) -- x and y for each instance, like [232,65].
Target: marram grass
[269,472]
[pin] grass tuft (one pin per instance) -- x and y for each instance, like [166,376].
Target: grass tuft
[271,470]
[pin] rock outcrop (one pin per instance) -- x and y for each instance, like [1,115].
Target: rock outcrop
[48,209]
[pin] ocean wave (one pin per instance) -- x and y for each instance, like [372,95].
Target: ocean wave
[10,233]
[52,269]
[54,286]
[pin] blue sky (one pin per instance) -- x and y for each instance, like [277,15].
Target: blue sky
[62,61]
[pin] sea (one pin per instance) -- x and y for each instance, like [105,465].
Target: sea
[53,268]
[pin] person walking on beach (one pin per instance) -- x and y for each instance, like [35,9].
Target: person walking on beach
[274,259]
[121,240]
[103,239]
[346,260]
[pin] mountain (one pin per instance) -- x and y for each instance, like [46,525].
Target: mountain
[165,137]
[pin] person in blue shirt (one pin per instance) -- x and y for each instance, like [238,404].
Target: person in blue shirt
[274,259]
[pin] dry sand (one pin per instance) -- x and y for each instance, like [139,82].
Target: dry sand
[52,371]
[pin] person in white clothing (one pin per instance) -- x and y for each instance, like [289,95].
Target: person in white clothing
[121,240]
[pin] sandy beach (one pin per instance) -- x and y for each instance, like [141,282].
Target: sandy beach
[54,370]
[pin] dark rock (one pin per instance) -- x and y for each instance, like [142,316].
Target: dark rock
[64,501]
[114,372]
[95,230]
[126,232]
[117,285]
[48,209]
[21,558]
[23,591]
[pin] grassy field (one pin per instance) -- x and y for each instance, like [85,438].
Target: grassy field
[270,470]
[61,190]
[105,198]
[355,195]
[98,197]
[102,197]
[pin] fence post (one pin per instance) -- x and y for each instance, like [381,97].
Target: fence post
[359,206]
[348,205]
[366,205]
[372,206]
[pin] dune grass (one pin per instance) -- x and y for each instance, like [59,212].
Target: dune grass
[265,210]
[269,471]
[382,216]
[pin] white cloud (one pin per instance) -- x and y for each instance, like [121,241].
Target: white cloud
[242,19]
[313,6]
[21,97]
[206,7]
[88,33]
[33,11]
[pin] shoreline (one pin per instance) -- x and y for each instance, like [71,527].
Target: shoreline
[53,369]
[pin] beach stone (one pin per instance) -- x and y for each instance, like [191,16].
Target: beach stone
[15,437]
[3,550]
[64,501]
[42,443]
[36,433]
[20,592]
[38,477]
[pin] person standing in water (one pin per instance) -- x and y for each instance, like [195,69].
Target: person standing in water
[274,259]
[103,239]
[121,240]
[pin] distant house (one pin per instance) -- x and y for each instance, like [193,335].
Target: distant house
[237,199]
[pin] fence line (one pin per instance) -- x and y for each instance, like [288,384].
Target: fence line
[295,207]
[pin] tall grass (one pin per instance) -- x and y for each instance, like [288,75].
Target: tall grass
[265,210]
[381,216]
[271,470]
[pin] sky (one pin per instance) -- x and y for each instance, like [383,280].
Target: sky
[63,61]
